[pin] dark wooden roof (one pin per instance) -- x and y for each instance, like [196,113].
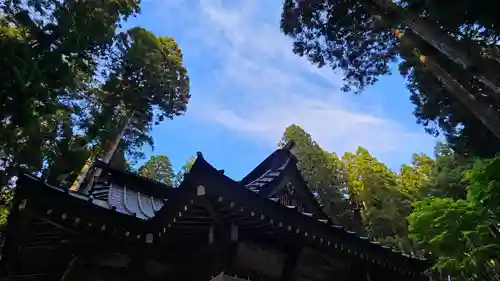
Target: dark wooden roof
[137,210]
[135,181]
[128,193]
[245,207]
[274,173]
[269,173]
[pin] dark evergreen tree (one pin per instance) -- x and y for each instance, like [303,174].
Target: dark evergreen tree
[350,36]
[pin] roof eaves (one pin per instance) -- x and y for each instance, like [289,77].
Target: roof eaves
[259,170]
[142,184]
[225,187]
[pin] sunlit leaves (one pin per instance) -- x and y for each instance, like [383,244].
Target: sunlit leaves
[184,170]
[463,234]
[324,174]
[158,168]
[379,199]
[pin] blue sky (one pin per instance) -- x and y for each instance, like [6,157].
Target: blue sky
[247,86]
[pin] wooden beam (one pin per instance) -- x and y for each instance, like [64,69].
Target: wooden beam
[223,237]
[214,213]
[217,185]
[223,241]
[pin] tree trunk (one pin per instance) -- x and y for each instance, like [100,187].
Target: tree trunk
[472,61]
[82,175]
[483,112]
[108,154]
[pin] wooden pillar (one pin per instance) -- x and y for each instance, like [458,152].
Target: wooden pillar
[212,260]
[223,242]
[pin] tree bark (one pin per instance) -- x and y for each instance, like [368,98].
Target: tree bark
[483,112]
[472,61]
[487,116]
[108,154]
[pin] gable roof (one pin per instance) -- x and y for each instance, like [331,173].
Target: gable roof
[269,173]
[275,172]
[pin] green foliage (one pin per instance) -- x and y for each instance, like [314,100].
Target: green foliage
[158,168]
[382,203]
[49,52]
[315,163]
[447,177]
[149,75]
[6,196]
[145,82]
[463,234]
[484,187]
[356,37]
[68,81]
[340,34]
[66,160]
[179,177]
[417,176]
[441,114]
[358,191]
[443,208]
[323,172]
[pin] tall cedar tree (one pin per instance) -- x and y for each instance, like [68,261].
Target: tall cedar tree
[49,53]
[146,82]
[325,176]
[382,206]
[343,34]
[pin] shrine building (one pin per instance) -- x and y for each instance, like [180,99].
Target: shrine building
[267,226]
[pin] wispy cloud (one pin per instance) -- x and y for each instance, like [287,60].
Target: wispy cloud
[260,86]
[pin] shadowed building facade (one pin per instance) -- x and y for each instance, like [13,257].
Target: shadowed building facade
[267,226]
